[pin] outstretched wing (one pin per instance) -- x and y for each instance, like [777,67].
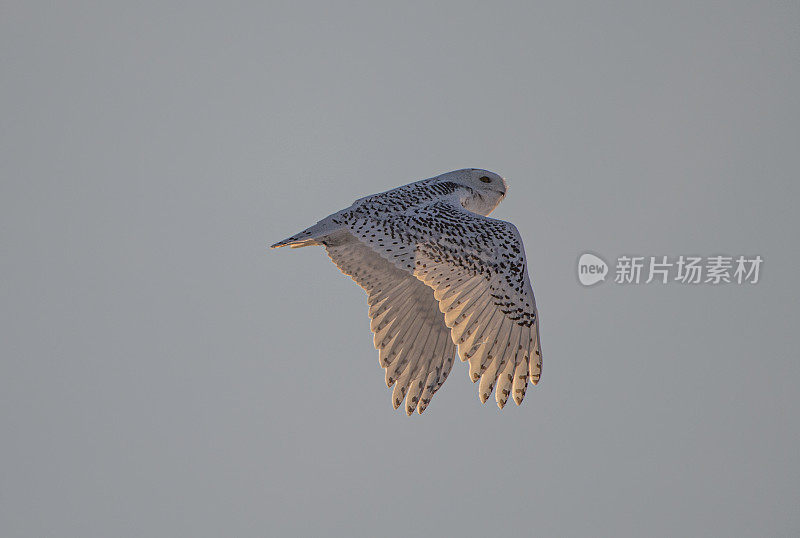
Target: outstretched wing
[477,270]
[411,337]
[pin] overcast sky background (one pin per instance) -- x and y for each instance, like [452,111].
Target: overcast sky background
[162,373]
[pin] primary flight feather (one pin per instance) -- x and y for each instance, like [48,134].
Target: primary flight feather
[441,278]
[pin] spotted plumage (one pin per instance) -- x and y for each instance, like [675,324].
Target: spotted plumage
[441,279]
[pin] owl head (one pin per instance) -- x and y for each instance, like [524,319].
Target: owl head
[482,190]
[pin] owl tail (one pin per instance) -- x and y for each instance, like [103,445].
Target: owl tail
[312,236]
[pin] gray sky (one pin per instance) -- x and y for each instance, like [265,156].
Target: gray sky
[164,374]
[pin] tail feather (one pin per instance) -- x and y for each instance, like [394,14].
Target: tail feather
[295,241]
[311,236]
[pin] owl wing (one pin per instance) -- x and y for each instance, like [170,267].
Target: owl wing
[413,342]
[476,268]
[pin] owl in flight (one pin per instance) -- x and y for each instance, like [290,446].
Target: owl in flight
[441,278]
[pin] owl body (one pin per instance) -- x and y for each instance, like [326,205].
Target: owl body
[442,280]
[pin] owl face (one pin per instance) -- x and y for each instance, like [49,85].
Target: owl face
[484,189]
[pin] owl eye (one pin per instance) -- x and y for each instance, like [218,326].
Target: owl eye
[486,179]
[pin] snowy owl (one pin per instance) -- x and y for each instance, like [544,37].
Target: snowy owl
[439,275]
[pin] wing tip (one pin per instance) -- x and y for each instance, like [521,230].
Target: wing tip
[536,376]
